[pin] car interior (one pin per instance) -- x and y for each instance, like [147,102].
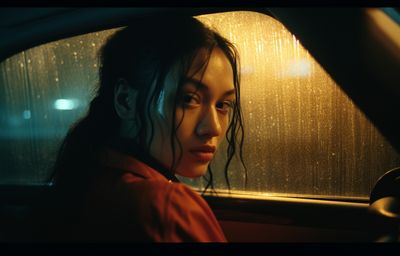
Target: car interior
[320,89]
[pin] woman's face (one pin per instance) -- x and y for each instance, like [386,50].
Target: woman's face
[202,116]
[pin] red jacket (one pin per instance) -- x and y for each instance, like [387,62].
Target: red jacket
[130,201]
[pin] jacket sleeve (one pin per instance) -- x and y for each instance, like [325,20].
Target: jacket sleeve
[188,218]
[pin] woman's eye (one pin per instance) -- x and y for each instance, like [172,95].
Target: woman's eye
[190,99]
[224,106]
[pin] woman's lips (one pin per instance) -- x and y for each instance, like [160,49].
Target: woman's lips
[203,153]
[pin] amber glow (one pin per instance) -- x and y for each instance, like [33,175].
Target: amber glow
[304,136]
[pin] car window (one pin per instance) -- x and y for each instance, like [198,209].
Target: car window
[43,91]
[303,136]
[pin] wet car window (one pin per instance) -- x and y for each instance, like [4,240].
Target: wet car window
[303,136]
[43,91]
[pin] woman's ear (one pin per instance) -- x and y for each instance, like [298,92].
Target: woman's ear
[124,99]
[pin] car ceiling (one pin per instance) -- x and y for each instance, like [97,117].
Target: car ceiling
[22,28]
[338,38]
[11,17]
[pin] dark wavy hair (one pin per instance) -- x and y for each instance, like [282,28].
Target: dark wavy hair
[143,53]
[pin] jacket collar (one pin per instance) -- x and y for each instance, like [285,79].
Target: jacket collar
[141,166]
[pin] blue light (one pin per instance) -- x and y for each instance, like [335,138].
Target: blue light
[66,104]
[27,114]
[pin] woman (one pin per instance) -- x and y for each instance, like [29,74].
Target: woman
[168,96]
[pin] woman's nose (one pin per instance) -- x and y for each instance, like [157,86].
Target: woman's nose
[209,125]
